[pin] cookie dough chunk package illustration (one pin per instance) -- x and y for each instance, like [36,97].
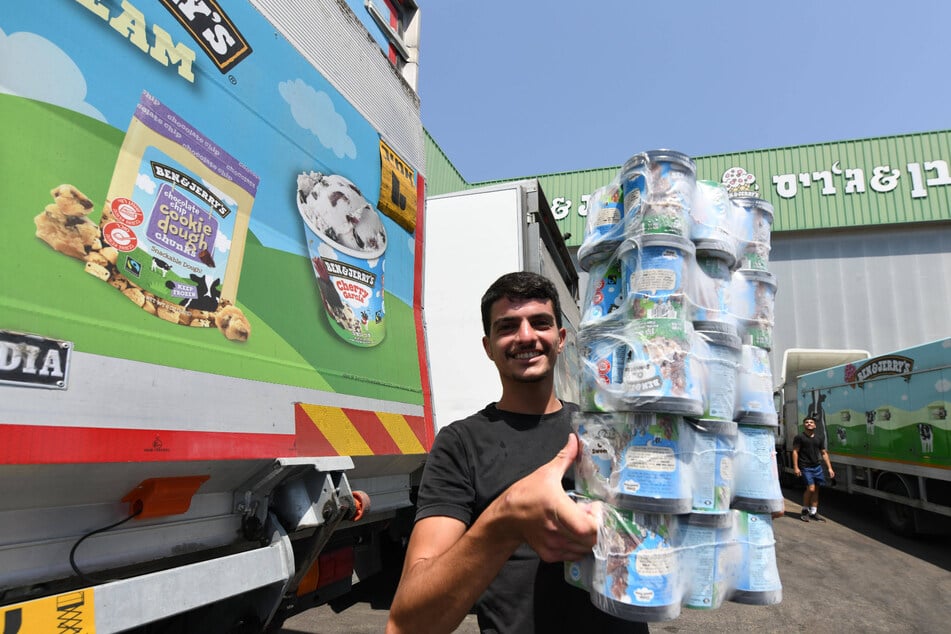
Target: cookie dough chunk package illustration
[177,214]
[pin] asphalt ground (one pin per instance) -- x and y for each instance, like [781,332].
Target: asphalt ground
[848,574]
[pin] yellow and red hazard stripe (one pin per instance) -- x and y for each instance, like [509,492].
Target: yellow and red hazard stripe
[338,431]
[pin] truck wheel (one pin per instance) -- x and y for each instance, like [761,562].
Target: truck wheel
[900,518]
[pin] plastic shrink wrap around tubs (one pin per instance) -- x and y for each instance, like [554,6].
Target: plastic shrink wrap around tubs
[677,419]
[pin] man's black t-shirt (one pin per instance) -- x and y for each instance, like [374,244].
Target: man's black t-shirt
[473,461]
[810,450]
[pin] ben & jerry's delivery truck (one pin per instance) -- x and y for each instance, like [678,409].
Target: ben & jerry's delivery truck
[213,381]
[215,395]
[885,424]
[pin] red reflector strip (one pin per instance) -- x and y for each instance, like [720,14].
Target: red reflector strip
[334,566]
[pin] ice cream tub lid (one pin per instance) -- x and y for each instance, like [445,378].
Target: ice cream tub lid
[751,418]
[755,275]
[713,426]
[648,240]
[720,337]
[710,520]
[659,156]
[717,248]
[754,203]
[594,252]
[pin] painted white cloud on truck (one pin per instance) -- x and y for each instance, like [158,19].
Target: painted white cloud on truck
[35,68]
[313,110]
[222,243]
[144,182]
[943,385]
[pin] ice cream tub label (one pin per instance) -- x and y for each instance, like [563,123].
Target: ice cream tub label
[604,229]
[347,244]
[604,297]
[653,474]
[660,373]
[602,370]
[711,469]
[709,292]
[753,221]
[720,364]
[709,560]
[753,299]
[579,573]
[756,478]
[603,438]
[637,569]
[710,217]
[605,212]
[658,192]
[757,579]
[754,401]
[663,219]
[720,398]
[656,273]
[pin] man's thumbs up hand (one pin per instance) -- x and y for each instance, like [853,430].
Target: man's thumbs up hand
[544,516]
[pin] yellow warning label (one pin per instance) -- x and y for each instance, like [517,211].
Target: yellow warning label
[397,188]
[69,613]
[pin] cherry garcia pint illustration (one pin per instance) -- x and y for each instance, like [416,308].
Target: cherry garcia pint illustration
[347,243]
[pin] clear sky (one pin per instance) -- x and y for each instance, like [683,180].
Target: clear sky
[514,88]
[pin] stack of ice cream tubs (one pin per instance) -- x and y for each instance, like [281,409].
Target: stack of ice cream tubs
[677,413]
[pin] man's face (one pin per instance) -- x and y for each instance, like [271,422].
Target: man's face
[524,339]
[809,425]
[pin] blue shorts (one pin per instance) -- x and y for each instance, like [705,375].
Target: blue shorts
[814,475]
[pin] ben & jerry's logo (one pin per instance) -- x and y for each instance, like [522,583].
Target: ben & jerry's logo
[175,177]
[212,29]
[339,269]
[879,366]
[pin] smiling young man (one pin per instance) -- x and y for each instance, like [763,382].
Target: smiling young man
[809,453]
[493,521]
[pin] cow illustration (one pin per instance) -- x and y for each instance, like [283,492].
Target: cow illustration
[161,265]
[842,435]
[926,433]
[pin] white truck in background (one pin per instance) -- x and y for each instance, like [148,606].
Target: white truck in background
[473,237]
[884,421]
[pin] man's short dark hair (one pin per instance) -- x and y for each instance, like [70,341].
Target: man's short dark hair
[520,285]
[807,418]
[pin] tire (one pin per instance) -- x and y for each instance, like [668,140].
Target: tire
[899,517]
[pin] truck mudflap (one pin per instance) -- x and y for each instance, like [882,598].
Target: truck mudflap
[117,606]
